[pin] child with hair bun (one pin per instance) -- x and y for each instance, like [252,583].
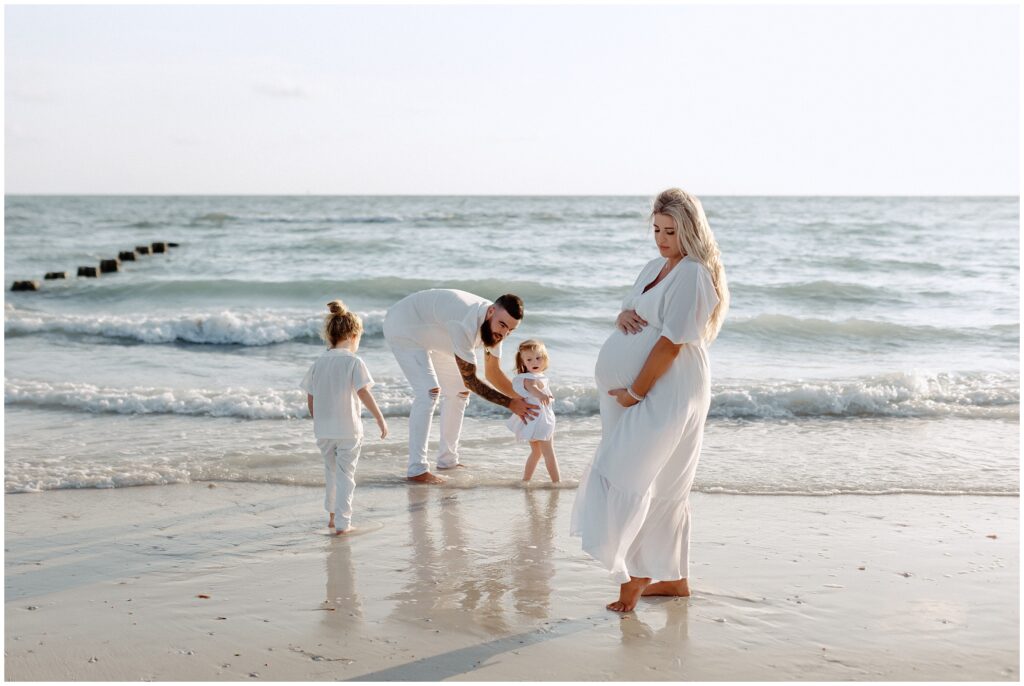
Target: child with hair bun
[332,385]
[531,383]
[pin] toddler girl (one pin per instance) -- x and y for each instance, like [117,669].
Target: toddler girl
[332,385]
[530,383]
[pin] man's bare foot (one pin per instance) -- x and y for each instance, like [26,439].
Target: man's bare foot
[426,478]
[330,523]
[341,532]
[678,588]
[454,466]
[629,594]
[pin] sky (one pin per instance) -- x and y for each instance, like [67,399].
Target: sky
[509,100]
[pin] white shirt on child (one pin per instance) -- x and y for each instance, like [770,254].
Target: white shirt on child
[333,381]
[440,319]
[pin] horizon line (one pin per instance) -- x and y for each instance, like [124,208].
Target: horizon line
[512,195]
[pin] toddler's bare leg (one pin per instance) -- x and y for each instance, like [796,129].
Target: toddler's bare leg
[550,461]
[532,460]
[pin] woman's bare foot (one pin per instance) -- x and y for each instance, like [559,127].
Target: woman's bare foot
[678,588]
[629,594]
[425,478]
[330,522]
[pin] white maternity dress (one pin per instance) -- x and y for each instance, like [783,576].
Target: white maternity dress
[632,508]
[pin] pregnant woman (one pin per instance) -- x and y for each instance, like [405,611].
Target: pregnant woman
[652,376]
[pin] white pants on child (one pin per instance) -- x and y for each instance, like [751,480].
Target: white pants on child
[427,370]
[340,458]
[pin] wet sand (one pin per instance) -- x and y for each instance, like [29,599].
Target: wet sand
[486,584]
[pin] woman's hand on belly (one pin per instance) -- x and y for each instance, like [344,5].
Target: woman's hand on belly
[623,397]
[629,322]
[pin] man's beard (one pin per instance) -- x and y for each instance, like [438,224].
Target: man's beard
[486,335]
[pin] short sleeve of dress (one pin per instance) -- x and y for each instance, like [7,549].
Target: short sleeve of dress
[307,381]
[688,304]
[518,385]
[360,375]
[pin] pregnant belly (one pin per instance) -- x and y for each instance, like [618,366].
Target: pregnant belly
[622,357]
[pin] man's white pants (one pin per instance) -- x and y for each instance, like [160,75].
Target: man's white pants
[427,370]
[340,458]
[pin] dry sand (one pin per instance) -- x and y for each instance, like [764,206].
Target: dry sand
[485,584]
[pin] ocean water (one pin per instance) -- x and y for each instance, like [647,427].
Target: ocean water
[872,345]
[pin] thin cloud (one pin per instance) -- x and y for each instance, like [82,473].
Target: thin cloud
[281,91]
[185,141]
[31,95]
[17,134]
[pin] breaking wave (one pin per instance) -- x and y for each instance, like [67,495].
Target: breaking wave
[980,396]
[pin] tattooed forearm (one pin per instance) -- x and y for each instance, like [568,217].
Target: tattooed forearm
[474,384]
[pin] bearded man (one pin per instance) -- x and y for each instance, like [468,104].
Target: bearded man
[434,335]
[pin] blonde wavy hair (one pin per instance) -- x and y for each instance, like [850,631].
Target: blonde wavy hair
[697,241]
[537,347]
[340,324]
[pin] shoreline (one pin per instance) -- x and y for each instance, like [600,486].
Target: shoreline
[485,584]
[969,461]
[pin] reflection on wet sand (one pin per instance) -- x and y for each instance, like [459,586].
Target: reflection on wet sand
[532,564]
[475,578]
[637,632]
[341,602]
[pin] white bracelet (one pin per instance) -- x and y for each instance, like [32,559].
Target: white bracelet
[633,395]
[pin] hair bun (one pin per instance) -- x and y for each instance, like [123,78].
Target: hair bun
[336,307]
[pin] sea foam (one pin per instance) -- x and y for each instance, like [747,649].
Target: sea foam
[211,328]
[981,396]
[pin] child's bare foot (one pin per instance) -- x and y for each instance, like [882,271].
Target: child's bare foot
[629,594]
[678,588]
[426,478]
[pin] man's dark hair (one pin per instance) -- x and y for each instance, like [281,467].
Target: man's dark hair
[512,304]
